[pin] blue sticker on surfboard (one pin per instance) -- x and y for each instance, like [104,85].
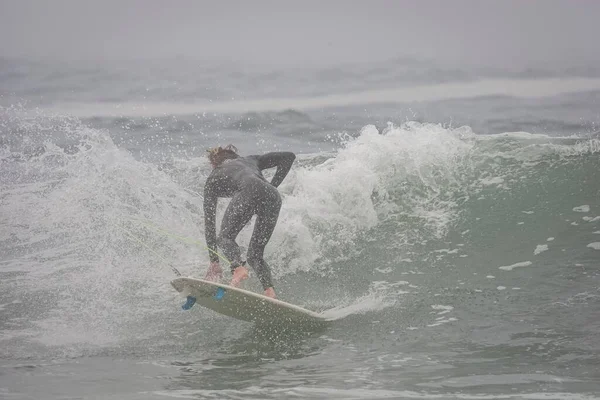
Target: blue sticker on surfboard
[220,293]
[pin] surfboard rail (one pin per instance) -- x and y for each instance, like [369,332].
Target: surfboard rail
[244,304]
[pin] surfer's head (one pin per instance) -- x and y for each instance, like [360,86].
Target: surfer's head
[217,155]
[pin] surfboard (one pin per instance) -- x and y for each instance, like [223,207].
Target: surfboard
[245,305]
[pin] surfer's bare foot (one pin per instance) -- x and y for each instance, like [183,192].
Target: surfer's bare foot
[214,273]
[270,292]
[239,274]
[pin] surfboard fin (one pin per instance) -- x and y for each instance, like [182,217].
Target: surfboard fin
[191,300]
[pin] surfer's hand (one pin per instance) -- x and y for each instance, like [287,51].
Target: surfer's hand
[270,292]
[214,273]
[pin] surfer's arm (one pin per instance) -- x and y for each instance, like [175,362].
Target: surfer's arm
[283,160]
[210,215]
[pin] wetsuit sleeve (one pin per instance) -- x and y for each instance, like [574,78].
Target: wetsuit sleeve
[283,160]
[210,215]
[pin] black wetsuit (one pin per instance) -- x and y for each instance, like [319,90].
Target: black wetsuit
[251,194]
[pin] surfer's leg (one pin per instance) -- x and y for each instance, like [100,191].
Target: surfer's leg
[263,229]
[238,213]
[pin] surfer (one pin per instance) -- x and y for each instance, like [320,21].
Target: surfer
[241,179]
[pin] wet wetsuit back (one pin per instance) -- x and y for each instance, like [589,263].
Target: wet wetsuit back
[251,194]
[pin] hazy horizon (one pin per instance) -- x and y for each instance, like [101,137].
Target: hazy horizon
[311,34]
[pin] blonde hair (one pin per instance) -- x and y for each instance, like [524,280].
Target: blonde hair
[217,155]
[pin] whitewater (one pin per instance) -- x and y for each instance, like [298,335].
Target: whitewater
[454,240]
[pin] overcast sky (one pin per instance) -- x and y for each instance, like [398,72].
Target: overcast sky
[306,33]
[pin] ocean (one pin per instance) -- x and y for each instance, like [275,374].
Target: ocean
[447,219]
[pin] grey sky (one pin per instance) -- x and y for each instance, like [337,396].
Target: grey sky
[306,33]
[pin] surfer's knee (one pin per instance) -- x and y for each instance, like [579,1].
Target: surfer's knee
[227,244]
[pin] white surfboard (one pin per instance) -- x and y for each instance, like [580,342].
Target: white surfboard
[245,305]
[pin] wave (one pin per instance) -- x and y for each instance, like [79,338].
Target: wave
[407,200]
[531,88]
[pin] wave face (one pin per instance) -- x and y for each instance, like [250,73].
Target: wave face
[416,226]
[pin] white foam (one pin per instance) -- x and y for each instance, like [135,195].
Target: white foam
[447,251]
[473,383]
[492,181]
[540,248]
[362,305]
[501,288]
[510,380]
[382,294]
[584,208]
[443,321]
[517,265]
[72,206]
[595,245]
[348,193]
[490,276]
[591,219]
[549,239]
[444,309]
